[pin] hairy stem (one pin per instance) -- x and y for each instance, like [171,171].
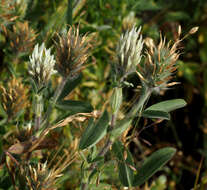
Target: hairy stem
[137,108]
[38,111]
[55,98]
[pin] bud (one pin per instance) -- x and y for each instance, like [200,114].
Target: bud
[129,21]
[179,30]
[193,30]
[41,65]
[116,99]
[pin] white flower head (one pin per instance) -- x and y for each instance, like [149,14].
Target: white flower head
[41,65]
[129,51]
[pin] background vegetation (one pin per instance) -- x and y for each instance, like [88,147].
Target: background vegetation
[187,130]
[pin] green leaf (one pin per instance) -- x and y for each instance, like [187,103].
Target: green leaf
[152,164]
[120,127]
[126,174]
[156,114]
[143,5]
[176,15]
[100,186]
[94,132]
[2,112]
[168,105]
[55,21]
[69,86]
[74,106]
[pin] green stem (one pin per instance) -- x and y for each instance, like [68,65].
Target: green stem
[38,111]
[103,151]
[137,108]
[70,13]
[54,100]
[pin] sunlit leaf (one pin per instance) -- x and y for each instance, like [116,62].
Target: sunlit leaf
[168,105]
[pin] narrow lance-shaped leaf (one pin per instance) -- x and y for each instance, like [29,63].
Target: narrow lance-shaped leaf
[152,164]
[168,105]
[74,106]
[94,132]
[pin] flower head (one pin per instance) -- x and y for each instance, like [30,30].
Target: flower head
[72,52]
[41,65]
[129,52]
[45,176]
[21,37]
[10,10]
[14,98]
[160,64]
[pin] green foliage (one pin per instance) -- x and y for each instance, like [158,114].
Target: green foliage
[168,105]
[65,125]
[125,164]
[152,164]
[156,114]
[94,132]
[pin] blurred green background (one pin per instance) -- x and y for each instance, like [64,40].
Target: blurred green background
[187,130]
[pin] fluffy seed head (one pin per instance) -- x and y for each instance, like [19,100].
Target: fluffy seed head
[41,65]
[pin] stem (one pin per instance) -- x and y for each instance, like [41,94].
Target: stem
[70,12]
[84,186]
[104,150]
[142,100]
[55,98]
[137,107]
[59,89]
[38,111]
[12,176]
[108,144]
[144,97]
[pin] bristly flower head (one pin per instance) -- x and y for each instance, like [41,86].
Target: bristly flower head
[14,97]
[160,63]
[41,65]
[44,176]
[10,10]
[129,52]
[72,52]
[21,37]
